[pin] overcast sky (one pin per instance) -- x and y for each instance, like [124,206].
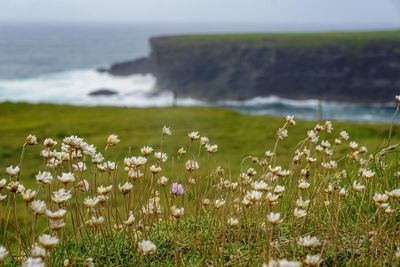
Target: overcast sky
[332,12]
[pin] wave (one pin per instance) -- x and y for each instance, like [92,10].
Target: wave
[73,87]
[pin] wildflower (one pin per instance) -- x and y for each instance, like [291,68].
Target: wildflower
[380,198]
[328,126]
[31,140]
[155,169]
[272,198]
[33,262]
[344,135]
[206,202]
[135,174]
[153,205]
[3,182]
[104,190]
[253,196]
[338,141]
[3,254]
[44,177]
[83,185]
[274,218]
[37,251]
[58,214]
[88,262]
[343,192]
[38,207]
[299,213]
[309,242]
[233,222]
[146,247]
[191,165]
[135,161]
[389,210]
[269,154]
[2,197]
[125,188]
[91,202]
[353,145]
[177,212]
[12,171]
[61,196]
[279,189]
[146,151]
[397,254]
[313,260]
[219,203]
[163,180]
[48,241]
[282,133]
[48,142]
[194,136]
[394,193]
[302,204]
[28,195]
[161,156]
[177,189]
[290,120]
[66,177]
[260,186]
[166,131]
[358,187]
[112,140]
[303,184]
[204,141]
[80,167]
[95,221]
[56,224]
[282,263]
[212,148]
[181,152]
[367,174]
[312,136]
[130,220]
[15,187]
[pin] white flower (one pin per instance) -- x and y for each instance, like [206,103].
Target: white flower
[12,171]
[219,203]
[155,169]
[135,161]
[299,213]
[313,260]
[146,150]
[394,193]
[3,182]
[282,263]
[28,195]
[3,254]
[177,212]
[95,221]
[2,197]
[269,154]
[194,135]
[274,218]
[146,247]
[44,178]
[83,185]
[260,186]
[33,262]
[380,198]
[181,152]
[312,136]
[358,187]
[309,242]
[161,156]
[302,204]
[253,196]
[112,140]
[328,126]
[15,187]
[66,177]
[367,174]
[91,202]
[211,148]
[61,196]
[204,141]
[104,190]
[163,180]
[290,120]
[233,222]
[48,241]
[125,188]
[191,165]
[343,192]
[166,131]
[58,214]
[48,142]
[31,140]
[303,184]
[353,145]
[130,220]
[80,167]
[37,251]
[344,135]
[282,133]
[279,189]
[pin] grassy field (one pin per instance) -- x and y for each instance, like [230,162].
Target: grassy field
[352,229]
[353,39]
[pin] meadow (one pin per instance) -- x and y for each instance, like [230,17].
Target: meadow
[194,187]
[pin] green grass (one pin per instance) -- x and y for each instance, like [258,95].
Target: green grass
[237,135]
[353,39]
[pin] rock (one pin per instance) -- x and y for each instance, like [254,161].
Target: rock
[143,65]
[103,92]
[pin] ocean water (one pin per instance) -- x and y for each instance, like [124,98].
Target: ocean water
[44,63]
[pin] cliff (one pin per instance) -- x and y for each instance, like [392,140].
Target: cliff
[356,67]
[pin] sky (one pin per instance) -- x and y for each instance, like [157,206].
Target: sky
[286,12]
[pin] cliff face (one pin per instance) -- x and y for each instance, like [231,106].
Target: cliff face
[219,70]
[214,69]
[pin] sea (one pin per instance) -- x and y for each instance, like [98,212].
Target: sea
[57,63]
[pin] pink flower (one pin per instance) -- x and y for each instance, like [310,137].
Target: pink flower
[177,189]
